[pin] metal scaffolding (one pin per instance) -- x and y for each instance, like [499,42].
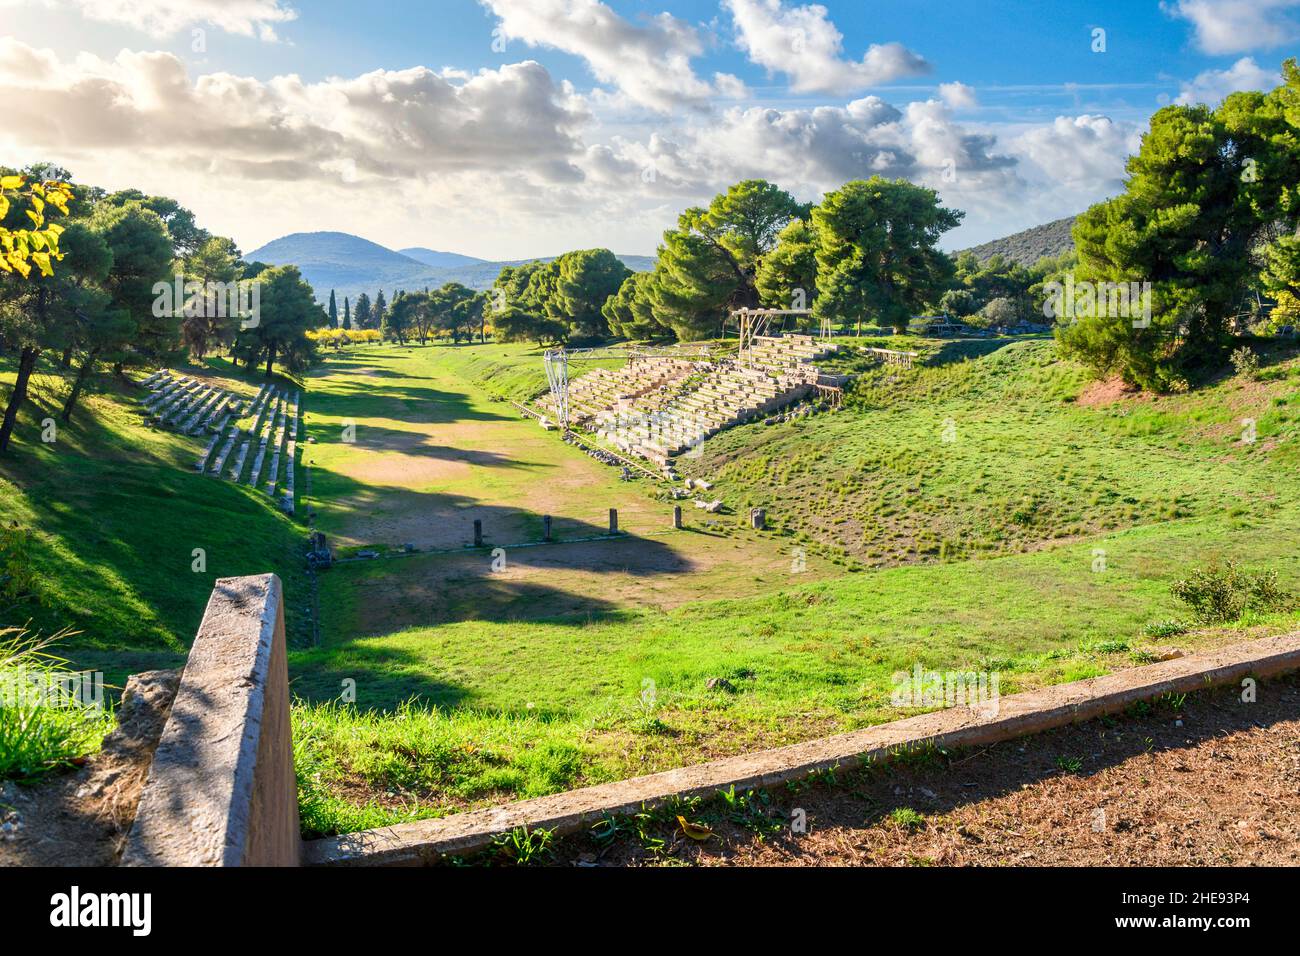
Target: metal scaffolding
[557,367]
[754,323]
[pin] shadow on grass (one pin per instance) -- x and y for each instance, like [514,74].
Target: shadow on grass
[382,677]
[117,512]
[957,350]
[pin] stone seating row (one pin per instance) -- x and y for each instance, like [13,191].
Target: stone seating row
[270,437]
[188,405]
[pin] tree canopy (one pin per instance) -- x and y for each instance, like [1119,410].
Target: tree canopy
[877,251]
[1208,191]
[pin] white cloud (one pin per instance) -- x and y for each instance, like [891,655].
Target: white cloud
[1236,26]
[812,150]
[1004,178]
[165,17]
[380,126]
[504,163]
[803,43]
[1066,166]
[650,64]
[1213,85]
[1085,152]
[957,95]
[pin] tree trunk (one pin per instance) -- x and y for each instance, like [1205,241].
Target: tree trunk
[66,361]
[270,360]
[26,363]
[83,373]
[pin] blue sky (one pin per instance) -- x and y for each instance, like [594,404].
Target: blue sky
[507,128]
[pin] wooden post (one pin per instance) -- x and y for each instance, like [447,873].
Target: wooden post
[613,521]
[546,527]
[478,533]
[677,517]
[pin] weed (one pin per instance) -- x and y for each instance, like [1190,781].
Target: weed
[1069,764]
[524,847]
[907,818]
[45,723]
[1162,630]
[1220,594]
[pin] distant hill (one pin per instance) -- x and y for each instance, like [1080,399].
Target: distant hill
[351,265]
[337,260]
[1051,239]
[438,260]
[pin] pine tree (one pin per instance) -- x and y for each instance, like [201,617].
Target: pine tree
[333,311]
[363,317]
[347,315]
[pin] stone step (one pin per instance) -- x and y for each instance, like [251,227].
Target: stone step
[220,463]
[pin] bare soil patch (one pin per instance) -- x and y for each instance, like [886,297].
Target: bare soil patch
[1213,782]
[82,818]
[405,469]
[1106,392]
[660,571]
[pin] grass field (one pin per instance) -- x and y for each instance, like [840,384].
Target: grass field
[473,686]
[1039,543]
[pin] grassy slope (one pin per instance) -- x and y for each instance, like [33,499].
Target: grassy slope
[117,512]
[1024,464]
[549,704]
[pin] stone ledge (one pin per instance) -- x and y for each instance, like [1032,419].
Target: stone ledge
[428,841]
[221,789]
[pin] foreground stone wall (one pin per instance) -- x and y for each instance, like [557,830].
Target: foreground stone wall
[221,790]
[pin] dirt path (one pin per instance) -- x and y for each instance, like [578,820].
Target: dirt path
[432,454]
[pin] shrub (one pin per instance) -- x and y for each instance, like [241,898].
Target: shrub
[1001,311]
[17,577]
[1245,362]
[907,818]
[1221,594]
[958,302]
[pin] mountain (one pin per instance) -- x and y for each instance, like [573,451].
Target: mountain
[438,260]
[337,260]
[351,265]
[1051,239]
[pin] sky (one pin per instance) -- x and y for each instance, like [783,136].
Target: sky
[508,129]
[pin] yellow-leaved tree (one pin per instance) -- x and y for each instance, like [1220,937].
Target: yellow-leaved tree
[38,246]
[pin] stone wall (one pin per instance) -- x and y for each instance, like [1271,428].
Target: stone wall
[221,790]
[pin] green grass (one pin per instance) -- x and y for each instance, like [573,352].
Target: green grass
[48,715]
[977,554]
[509,371]
[116,512]
[807,661]
[472,712]
[969,458]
